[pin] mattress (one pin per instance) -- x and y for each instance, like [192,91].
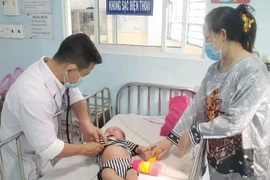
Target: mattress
[143,130]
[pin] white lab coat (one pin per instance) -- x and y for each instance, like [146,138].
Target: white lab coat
[29,106]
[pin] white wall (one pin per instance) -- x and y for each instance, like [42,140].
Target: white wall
[117,70]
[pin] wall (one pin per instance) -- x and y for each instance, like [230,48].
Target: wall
[16,52]
[117,70]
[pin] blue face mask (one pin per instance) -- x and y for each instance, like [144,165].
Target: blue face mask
[74,85]
[210,51]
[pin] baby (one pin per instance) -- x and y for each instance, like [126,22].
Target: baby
[115,160]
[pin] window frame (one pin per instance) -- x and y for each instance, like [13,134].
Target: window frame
[189,24]
[146,51]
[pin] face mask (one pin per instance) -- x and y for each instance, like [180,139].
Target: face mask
[210,51]
[74,85]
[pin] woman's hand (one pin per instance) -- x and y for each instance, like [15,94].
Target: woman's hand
[184,143]
[144,152]
[164,146]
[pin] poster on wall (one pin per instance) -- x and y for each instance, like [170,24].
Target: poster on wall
[37,6]
[230,1]
[41,26]
[130,7]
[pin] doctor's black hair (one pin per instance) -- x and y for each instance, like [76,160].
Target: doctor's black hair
[230,19]
[78,49]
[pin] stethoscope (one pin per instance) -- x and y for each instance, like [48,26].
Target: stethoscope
[67,115]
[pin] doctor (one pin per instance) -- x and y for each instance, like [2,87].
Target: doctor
[36,96]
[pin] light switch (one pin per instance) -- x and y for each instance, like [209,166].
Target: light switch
[6,31]
[19,31]
[12,30]
[1,31]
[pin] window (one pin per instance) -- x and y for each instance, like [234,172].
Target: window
[176,25]
[130,30]
[83,21]
[82,17]
[195,22]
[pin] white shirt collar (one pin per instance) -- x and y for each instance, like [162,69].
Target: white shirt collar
[52,83]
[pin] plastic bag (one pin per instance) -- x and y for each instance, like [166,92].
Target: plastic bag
[8,80]
[17,72]
[5,85]
[177,106]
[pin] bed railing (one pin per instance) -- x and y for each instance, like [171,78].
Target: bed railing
[131,94]
[160,94]
[16,138]
[97,103]
[99,108]
[198,166]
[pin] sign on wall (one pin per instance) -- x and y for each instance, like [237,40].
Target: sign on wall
[230,1]
[41,26]
[10,7]
[130,7]
[37,6]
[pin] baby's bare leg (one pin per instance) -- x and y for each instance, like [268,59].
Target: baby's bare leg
[132,175]
[110,174]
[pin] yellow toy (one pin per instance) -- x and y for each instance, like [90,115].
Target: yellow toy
[150,167]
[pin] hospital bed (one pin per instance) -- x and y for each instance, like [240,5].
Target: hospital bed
[141,118]
[140,111]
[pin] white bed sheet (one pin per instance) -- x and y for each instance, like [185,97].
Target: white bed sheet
[143,130]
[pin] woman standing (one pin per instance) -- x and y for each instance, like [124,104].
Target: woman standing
[230,110]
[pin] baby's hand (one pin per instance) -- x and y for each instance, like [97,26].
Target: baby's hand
[144,153]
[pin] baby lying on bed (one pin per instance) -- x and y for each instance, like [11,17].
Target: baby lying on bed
[115,160]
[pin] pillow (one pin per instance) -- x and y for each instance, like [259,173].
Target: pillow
[177,106]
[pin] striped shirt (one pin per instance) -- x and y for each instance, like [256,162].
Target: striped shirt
[128,146]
